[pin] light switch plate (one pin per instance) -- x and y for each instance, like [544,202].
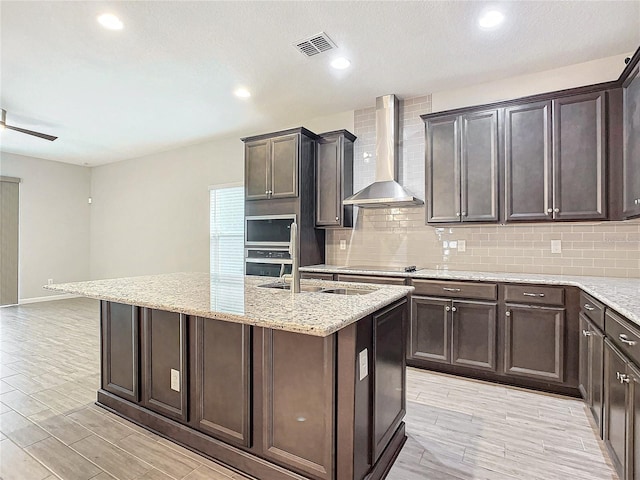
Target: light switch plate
[343,244]
[556,246]
[462,245]
[175,380]
[363,362]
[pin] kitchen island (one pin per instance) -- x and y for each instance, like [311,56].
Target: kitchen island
[274,384]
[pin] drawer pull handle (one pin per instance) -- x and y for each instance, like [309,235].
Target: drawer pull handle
[526,294]
[587,333]
[446,289]
[624,339]
[589,307]
[622,377]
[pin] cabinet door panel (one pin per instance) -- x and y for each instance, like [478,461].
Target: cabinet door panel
[164,354]
[584,373]
[284,166]
[430,329]
[479,167]
[633,437]
[389,360]
[443,170]
[534,342]
[120,351]
[328,201]
[256,164]
[579,157]
[298,401]
[528,162]
[223,392]
[615,428]
[474,335]
[631,135]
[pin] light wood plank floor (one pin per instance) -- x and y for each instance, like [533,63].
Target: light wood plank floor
[458,429]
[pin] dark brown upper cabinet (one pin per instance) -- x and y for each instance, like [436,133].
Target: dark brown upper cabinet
[555,159]
[462,167]
[272,164]
[334,179]
[631,147]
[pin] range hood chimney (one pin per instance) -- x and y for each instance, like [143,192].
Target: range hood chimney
[385,192]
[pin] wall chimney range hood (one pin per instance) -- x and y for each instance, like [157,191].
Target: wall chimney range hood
[385,192]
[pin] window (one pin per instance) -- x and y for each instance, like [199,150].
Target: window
[226,257]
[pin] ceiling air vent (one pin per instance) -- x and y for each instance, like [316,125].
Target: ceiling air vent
[315,44]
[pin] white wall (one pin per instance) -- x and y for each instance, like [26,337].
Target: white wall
[587,73]
[54,222]
[151,214]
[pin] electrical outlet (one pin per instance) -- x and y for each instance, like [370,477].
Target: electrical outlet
[363,361]
[462,245]
[50,281]
[343,244]
[556,246]
[453,244]
[445,244]
[175,380]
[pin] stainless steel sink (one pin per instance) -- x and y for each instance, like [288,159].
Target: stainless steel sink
[287,286]
[347,291]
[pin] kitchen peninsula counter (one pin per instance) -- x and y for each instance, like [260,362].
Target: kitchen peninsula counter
[277,385]
[620,294]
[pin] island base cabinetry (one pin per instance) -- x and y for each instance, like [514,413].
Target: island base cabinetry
[270,403]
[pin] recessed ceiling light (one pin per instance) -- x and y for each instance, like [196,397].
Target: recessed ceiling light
[491,19]
[242,93]
[110,21]
[340,63]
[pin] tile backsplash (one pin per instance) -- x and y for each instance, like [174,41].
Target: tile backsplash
[399,236]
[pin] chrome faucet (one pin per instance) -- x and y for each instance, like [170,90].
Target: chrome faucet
[294,245]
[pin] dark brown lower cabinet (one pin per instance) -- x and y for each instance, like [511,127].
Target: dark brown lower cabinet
[616,415]
[454,332]
[534,342]
[120,349]
[221,406]
[298,392]
[165,362]
[591,373]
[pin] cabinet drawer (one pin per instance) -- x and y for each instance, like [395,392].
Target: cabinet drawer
[592,309]
[534,294]
[316,276]
[369,279]
[623,335]
[486,291]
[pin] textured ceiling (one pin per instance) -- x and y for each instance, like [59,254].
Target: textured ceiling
[167,79]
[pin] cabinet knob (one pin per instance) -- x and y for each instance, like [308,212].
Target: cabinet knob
[457,214]
[464,214]
[637,201]
[586,333]
[337,219]
[454,309]
[447,308]
[549,210]
[556,210]
[508,313]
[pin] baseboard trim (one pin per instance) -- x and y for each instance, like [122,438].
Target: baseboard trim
[24,301]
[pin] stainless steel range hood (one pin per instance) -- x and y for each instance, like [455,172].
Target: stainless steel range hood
[385,191]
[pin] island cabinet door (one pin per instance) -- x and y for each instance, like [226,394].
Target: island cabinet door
[389,401]
[221,375]
[164,363]
[120,349]
[298,397]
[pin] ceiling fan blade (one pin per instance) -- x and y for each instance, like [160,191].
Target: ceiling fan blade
[51,138]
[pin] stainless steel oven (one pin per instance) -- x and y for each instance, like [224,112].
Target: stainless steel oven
[268,230]
[267,262]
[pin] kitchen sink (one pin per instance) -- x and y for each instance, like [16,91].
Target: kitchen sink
[347,291]
[286,286]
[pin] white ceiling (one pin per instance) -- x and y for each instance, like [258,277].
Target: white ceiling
[167,79]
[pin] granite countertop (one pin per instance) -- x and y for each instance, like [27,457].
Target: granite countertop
[240,299]
[620,294]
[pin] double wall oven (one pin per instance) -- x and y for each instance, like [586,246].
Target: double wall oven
[267,241]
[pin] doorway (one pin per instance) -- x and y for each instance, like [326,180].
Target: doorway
[9,197]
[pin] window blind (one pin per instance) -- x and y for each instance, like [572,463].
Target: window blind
[226,211]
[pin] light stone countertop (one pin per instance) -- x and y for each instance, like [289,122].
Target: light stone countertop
[240,300]
[620,294]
